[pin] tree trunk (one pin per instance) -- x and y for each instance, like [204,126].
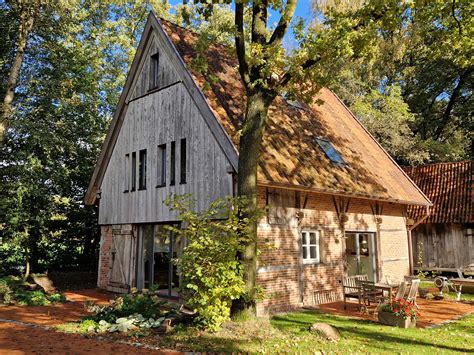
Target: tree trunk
[250,143]
[27,18]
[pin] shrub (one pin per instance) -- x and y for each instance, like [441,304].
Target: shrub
[147,305]
[212,275]
[14,290]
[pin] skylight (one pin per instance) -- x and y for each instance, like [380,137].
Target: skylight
[293,103]
[330,151]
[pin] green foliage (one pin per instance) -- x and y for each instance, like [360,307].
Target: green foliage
[425,49]
[74,69]
[212,275]
[15,290]
[146,304]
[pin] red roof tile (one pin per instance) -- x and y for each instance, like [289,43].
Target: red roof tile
[449,187]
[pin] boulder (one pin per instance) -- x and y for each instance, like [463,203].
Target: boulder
[325,331]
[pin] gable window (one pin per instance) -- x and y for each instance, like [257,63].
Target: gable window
[142,169]
[310,245]
[126,178]
[134,171]
[154,66]
[161,166]
[173,163]
[182,162]
[330,151]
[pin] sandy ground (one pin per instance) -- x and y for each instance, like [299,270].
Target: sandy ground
[24,330]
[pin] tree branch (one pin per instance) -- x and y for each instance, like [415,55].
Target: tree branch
[306,65]
[452,101]
[285,19]
[453,13]
[240,43]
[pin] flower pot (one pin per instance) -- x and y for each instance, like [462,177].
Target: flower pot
[389,318]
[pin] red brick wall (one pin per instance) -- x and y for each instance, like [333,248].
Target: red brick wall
[104,256]
[279,263]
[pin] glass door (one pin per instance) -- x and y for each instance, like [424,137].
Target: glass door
[360,254]
[158,246]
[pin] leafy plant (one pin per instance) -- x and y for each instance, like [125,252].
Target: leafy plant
[145,304]
[122,324]
[400,307]
[212,274]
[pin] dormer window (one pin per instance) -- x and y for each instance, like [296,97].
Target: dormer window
[154,66]
[331,152]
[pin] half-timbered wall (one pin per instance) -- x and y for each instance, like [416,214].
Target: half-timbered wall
[289,282]
[153,118]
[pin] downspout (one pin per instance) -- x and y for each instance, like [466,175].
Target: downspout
[410,245]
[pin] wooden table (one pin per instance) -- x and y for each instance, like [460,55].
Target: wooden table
[387,287]
[457,284]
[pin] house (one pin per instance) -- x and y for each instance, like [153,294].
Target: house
[444,242]
[337,203]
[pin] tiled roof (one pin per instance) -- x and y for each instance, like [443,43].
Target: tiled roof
[449,187]
[290,156]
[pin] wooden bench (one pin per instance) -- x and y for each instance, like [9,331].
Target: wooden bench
[351,287]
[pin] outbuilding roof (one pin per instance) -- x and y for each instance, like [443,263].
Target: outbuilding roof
[291,156]
[449,187]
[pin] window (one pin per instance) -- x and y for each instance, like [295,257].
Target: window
[310,245]
[126,177]
[154,64]
[182,162]
[142,169]
[134,171]
[161,166]
[173,163]
[330,151]
[292,103]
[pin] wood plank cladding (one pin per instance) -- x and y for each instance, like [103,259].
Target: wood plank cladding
[165,116]
[449,187]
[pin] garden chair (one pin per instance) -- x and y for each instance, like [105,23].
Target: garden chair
[413,291]
[402,288]
[351,287]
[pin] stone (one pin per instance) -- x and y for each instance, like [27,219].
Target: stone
[325,331]
[44,282]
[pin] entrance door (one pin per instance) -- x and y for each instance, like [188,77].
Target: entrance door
[360,254]
[158,248]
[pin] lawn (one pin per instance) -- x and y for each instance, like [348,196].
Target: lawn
[289,333]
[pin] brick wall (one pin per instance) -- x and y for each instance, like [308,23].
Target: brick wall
[104,256]
[289,283]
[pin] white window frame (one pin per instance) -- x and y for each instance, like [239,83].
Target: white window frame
[306,244]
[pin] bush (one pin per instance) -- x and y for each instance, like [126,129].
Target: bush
[15,290]
[148,305]
[212,275]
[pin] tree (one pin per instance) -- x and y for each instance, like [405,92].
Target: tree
[425,48]
[27,13]
[76,67]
